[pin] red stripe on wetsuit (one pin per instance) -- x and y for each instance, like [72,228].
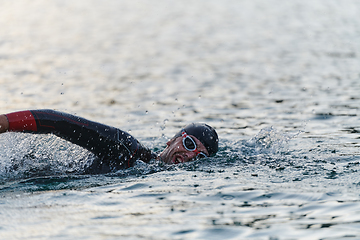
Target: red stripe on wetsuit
[21,121]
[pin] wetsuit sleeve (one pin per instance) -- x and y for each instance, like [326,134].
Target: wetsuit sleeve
[116,148]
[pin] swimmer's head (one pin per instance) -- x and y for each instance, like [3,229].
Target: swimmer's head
[195,140]
[205,134]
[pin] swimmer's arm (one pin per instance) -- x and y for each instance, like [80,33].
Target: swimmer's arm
[98,138]
[4,124]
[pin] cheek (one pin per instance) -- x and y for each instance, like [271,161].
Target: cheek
[175,149]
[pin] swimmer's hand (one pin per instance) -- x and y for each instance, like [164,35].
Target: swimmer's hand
[4,124]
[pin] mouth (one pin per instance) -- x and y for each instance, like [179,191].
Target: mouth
[177,159]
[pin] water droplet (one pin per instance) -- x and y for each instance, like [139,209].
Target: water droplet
[227,197]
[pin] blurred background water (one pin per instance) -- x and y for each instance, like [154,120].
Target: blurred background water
[279,80]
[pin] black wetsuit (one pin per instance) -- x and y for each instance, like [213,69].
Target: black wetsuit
[114,148]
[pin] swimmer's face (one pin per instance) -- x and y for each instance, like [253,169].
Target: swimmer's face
[175,152]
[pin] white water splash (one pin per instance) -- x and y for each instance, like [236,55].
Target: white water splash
[270,141]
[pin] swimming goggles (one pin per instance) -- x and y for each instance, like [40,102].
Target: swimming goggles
[190,145]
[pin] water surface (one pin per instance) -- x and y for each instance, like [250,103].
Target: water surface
[278,80]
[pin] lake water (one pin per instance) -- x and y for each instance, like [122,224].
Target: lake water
[279,80]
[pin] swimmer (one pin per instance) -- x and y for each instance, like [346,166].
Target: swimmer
[114,148]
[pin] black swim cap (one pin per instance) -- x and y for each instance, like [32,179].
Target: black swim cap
[206,135]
